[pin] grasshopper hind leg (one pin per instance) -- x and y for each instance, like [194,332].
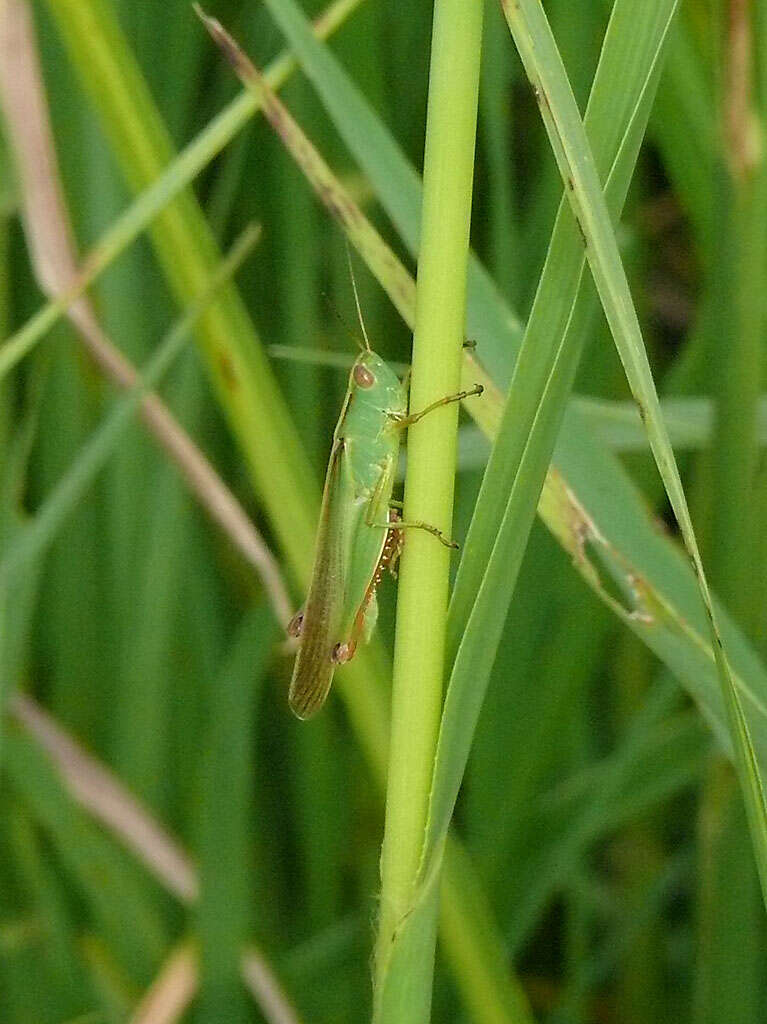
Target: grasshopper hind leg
[367,616]
[400,525]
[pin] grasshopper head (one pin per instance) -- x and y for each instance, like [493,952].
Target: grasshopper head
[371,373]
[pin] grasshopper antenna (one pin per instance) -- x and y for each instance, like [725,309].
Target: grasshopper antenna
[342,320]
[356,297]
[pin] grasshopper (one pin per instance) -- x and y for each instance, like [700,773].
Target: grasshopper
[360,529]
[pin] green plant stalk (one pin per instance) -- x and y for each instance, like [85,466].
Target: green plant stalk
[436,371]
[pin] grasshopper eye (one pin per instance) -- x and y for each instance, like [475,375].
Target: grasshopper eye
[296,624]
[363,377]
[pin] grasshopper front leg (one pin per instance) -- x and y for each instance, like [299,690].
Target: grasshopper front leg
[407,421]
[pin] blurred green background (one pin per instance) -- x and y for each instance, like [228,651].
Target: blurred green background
[602,819]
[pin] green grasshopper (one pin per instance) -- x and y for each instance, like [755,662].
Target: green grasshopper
[360,529]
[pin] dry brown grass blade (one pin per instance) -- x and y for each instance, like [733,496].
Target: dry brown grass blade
[171,992]
[96,789]
[53,255]
[102,795]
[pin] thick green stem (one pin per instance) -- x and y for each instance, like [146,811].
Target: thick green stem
[438,336]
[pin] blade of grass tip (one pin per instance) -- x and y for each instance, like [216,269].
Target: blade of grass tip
[39,533]
[51,245]
[539,54]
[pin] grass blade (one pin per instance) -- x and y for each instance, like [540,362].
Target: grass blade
[225,909]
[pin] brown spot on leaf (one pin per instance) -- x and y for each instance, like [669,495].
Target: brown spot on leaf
[227,371]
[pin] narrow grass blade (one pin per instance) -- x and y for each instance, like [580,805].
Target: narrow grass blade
[226,913]
[689,421]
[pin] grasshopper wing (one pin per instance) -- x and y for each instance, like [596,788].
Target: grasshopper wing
[324,610]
